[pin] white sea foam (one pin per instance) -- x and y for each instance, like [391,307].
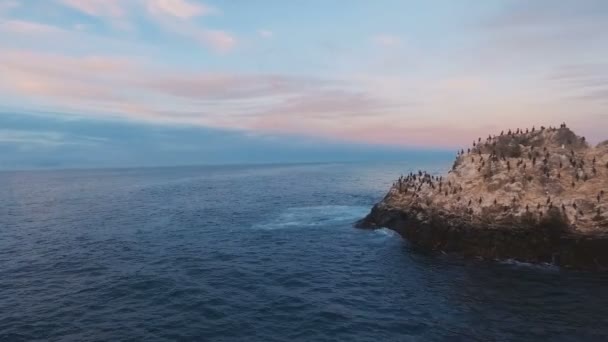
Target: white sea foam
[541,266]
[385,232]
[300,217]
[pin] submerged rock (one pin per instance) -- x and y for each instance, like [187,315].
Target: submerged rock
[539,195]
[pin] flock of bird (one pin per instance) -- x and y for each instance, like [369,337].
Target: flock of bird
[513,154]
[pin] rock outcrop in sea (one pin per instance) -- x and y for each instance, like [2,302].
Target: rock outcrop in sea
[534,195]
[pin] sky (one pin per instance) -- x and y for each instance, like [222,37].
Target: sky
[86,83]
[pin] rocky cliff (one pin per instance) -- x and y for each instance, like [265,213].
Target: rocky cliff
[536,195]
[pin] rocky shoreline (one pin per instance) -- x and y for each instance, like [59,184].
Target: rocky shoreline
[535,196]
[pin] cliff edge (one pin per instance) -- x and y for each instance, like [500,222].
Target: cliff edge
[534,195]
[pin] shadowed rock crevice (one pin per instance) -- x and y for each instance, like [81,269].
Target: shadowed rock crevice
[535,195]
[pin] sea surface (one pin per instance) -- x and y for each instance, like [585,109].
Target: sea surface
[256,253]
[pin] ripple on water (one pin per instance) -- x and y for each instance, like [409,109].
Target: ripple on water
[253,254]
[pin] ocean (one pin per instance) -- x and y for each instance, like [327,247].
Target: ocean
[257,253]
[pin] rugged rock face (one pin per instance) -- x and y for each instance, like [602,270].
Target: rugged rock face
[539,195]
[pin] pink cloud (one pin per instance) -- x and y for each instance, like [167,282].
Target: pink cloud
[28,27]
[218,40]
[98,8]
[172,16]
[177,8]
[344,109]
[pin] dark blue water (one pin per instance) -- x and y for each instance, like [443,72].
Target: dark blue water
[258,253]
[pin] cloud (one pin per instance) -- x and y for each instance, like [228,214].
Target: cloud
[98,8]
[178,8]
[111,87]
[584,81]
[9,136]
[219,40]
[28,27]
[215,86]
[390,90]
[528,31]
[265,33]
[176,17]
[387,40]
[26,138]
[8,5]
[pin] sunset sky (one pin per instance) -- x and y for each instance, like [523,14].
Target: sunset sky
[160,82]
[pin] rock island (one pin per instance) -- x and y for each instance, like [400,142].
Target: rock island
[535,195]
